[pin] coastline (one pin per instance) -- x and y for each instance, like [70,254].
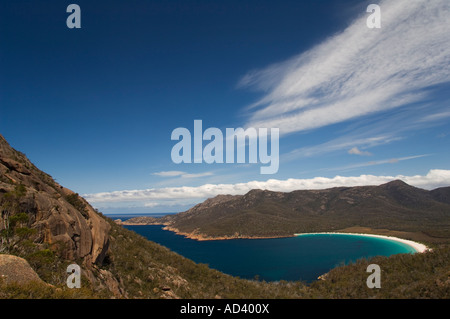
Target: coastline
[418,247]
[202,237]
[199,236]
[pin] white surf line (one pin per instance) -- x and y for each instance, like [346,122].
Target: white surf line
[418,247]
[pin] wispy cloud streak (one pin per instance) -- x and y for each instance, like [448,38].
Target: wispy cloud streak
[356,151]
[182,174]
[373,163]
[359,71]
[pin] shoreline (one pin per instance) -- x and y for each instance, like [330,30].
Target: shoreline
[418,247]
[202,237]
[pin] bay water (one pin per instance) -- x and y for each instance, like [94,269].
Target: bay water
[293,258]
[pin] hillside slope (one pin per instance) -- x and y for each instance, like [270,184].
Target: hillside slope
[395,206]
[50,227]
[37,214]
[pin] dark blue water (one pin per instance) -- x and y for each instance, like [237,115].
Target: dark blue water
[295,258]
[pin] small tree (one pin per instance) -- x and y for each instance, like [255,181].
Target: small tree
[14,231]
[14,222]
[4,232]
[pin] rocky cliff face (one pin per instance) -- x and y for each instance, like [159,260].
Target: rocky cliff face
[59,217]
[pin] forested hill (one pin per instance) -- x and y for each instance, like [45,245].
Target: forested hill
[388,208]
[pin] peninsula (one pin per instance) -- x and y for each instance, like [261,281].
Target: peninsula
[394,209]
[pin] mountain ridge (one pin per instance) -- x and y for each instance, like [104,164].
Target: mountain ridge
[394,206]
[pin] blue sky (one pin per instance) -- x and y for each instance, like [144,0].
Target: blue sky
[95,107]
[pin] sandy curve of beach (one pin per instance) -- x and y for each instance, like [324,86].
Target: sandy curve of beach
[418,247]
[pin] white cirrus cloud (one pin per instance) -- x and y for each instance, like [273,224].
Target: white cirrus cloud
[379,162]
[197,175]
[434,178]
[356,151]
[182,174]
[338,144]
[359,71]
[169,173]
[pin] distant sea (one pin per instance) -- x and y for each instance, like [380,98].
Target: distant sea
[294,258]
[128,216]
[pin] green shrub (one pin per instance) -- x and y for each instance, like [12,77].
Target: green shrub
[44,256]
[20,190]
[77,203]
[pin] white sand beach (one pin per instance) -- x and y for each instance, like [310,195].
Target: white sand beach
[418,247]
